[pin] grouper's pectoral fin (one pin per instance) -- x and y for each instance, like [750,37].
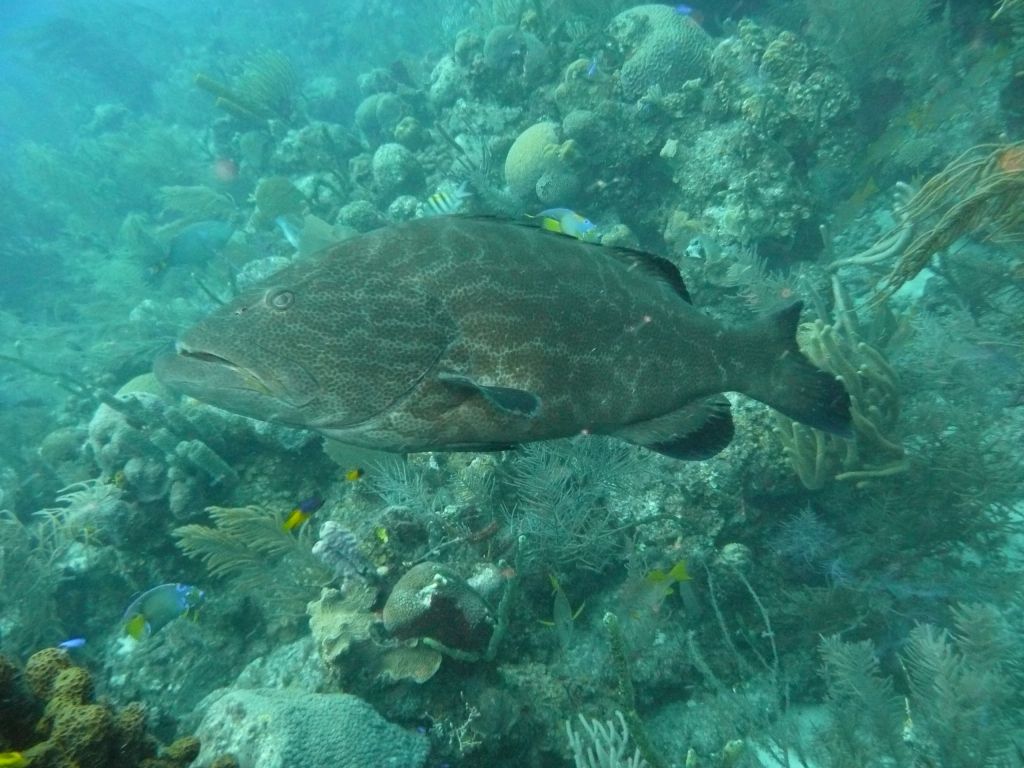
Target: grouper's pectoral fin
[698,431]
[517,402]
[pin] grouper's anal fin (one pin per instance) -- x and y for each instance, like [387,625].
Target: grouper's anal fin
[696,432]
[509,400]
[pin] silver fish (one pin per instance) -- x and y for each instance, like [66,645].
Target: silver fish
[475,334]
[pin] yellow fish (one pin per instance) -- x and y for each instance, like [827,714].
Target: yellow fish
[12,760]
[302,512]
[356,473]
[643,596]
[134,627]
[678,573]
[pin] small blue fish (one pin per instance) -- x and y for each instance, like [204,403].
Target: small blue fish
[159,606]
[74,642]
[689,12]
[592,67]
[567,222]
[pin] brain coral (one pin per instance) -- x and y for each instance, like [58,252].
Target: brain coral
[278,728]
[664,48]
[536,168]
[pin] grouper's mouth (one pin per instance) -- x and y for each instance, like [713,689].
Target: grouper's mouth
[274,395]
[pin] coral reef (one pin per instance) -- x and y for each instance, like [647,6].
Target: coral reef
[670,611]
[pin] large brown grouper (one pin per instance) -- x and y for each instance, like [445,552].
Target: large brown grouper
[453,333]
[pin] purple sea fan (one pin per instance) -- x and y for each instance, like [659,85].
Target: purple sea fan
[338,548]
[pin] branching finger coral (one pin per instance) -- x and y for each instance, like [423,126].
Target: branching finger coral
[874,452]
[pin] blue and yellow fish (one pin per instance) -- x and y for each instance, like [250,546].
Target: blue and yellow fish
[567,222]
[302,512]
[159,606]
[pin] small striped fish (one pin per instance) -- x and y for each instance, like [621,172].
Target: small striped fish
[446,201]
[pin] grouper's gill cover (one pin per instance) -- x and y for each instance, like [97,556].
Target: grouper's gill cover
[452,333]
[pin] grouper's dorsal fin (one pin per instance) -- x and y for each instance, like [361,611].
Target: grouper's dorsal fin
[517,402]
[657,267]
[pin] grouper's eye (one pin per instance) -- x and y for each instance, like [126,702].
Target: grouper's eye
[279,298]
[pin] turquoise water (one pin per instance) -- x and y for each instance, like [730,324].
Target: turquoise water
[800,598]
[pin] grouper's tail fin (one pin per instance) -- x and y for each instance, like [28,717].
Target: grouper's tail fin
[793,385]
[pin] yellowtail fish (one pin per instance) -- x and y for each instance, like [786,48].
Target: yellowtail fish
[159,606]
[446,201]
[303,511]
[566,222]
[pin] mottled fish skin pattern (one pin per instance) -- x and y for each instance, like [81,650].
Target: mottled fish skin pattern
[373,341]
